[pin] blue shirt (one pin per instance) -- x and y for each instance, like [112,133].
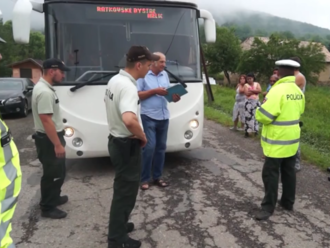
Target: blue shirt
[268,88]
[155,106]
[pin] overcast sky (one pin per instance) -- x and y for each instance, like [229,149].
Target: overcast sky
[315,12]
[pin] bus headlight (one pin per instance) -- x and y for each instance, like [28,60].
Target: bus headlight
[188,134]
[68,131]
[194,124]
[77,142]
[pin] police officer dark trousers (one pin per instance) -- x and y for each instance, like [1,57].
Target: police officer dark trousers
[54,171]
[270,177]
[49,138]
[280,115]
[126,159]
[126,140]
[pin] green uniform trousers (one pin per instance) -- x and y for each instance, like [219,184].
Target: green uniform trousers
[54,170]
[270,176]
[125,154]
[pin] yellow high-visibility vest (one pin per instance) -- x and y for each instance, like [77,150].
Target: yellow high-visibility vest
[10,184]
[280,116]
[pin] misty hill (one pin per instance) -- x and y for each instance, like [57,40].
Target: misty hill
[265,24]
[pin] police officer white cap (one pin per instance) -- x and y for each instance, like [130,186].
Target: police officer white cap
[287,63]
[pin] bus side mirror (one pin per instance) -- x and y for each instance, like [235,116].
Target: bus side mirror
[21,19]
[209,26]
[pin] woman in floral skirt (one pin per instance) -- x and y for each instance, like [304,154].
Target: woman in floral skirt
[251,90]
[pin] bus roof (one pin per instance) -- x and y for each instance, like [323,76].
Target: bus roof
[190,3]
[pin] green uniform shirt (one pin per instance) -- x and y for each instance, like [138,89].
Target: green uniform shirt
[45,101]
[121,96]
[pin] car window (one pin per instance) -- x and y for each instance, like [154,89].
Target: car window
[11,84]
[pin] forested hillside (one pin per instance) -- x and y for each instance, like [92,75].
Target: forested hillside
[249,23]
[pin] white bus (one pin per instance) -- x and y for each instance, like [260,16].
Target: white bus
[92,38]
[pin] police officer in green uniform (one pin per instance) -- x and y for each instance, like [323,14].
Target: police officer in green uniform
[280,116]
[49,138]
[125,142]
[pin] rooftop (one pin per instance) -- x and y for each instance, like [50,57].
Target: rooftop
[35,61]
[247,44]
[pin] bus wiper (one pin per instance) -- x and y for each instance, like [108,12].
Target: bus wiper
[73,89]
[176,78]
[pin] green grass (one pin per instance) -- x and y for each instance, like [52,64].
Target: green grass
[315,136]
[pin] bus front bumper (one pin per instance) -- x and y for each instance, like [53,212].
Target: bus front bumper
[186,137]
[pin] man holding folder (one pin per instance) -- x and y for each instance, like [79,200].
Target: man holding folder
[155,121]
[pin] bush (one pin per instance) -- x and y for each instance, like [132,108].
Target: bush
[217,76]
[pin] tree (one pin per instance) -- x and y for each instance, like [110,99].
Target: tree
[12,52]
[285,35]
[224,54]
[261,58]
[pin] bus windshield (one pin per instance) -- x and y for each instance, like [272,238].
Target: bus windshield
[10,84]
[93,39]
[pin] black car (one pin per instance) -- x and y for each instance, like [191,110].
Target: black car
[15,95]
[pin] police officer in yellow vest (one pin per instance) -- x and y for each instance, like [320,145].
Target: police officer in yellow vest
[280,116]
[10,184]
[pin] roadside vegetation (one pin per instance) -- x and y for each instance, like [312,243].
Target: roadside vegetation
[315,131]
[226,57]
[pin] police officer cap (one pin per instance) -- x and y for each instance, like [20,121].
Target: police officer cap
[287,63]
[54,63]
[138,53]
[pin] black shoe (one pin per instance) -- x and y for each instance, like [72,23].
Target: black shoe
[130,243]
[54,214]
[284,206]
[62,200]
[262,215]
[328,169]
[129,227]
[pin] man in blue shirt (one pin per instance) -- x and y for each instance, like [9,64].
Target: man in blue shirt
[273,79]
[155,120]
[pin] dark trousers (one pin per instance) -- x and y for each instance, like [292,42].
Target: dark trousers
[125,154]
[54,171]
[153,154]
[270,178]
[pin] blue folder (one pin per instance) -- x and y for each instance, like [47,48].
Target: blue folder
[176,89]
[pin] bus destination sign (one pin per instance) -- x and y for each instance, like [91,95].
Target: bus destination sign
[147,12]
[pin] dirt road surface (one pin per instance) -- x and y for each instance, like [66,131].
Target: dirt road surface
[213,192]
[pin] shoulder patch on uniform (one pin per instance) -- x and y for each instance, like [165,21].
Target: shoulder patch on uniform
[138,103]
